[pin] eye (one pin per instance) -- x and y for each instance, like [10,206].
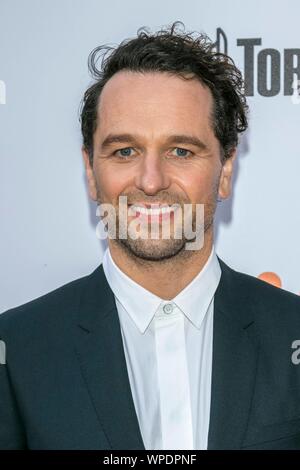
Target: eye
[124,152]
[181,152]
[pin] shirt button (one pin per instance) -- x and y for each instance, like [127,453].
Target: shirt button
[168,308]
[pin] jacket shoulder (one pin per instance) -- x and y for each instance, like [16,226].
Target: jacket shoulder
[269,304]
[52,307]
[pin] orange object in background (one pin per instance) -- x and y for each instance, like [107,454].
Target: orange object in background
[271,278]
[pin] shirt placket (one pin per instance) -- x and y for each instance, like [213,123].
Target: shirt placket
[173,378]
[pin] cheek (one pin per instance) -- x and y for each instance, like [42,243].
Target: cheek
[200,184]
[112,181]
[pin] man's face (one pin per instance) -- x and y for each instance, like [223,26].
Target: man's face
[154,143]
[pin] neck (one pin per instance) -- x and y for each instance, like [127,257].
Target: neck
[165,278]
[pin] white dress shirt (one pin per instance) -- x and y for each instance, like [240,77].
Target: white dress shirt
[168,350]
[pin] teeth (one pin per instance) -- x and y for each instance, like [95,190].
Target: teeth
[149,211]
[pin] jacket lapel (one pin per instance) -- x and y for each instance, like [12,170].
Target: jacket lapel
[234,362]
[103,364]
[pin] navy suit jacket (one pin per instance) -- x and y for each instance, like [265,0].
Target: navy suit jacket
[65,383]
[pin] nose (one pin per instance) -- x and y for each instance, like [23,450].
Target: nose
[152,176]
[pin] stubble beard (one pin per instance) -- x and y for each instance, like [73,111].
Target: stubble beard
[154,250]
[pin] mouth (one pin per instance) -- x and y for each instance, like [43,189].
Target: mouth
[152,212]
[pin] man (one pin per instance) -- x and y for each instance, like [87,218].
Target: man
[163,346]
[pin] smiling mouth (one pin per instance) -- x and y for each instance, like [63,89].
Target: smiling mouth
[151,211]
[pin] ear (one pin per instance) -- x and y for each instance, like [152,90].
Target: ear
[226,175]
[89,175]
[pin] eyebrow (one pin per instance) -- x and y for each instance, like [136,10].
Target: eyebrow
[172,139]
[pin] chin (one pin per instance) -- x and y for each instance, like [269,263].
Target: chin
[154,250]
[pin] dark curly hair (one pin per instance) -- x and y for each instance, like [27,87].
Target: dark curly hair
[189,55]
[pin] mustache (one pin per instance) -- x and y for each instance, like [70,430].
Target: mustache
[163,199]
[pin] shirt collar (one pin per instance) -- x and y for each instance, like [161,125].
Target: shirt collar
[194,300]
[141,304]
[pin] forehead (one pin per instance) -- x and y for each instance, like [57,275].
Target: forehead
[154,100]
